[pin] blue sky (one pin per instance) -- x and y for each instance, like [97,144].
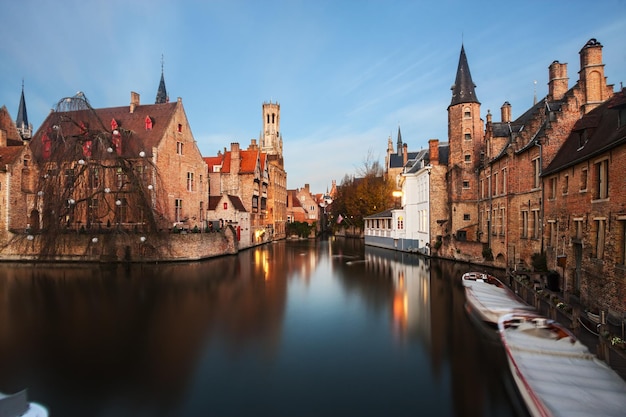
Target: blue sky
[346,73]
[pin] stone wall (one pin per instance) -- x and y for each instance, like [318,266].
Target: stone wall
[119,247]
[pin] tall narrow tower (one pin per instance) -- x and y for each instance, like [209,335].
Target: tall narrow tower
[466,138]
[271,140]
[23,127]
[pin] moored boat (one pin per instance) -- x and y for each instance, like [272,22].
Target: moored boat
[17,405]
[557,375]
[488,298]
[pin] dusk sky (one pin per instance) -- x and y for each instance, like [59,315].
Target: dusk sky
[346,73]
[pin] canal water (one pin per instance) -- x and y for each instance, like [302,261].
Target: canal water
[294,328]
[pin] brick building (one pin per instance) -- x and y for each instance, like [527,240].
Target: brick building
[495,188]
[585,207]
[243,173]
[132,167]
[271,143]
[17,178]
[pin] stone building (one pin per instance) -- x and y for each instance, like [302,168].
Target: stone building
[396,161]
[585,205]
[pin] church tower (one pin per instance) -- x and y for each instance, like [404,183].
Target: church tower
[162,96]
[466,139]
[271,140]
[23,127]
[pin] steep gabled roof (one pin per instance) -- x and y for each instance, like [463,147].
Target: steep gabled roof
[214,202]
[249,161]
[463,90]
[6,124]
[595,133]
[10,155]
[136,136]
[397,160]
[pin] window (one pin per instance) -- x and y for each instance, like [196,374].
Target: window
[621,117]
[621,256]
[579,229]
[225,206]
[461,235]
[121,178]
[468,158]
[552,238]
[502,221]
[190,181]
[121,210]
[600,225]
[494,220]
[525,224]
[552,188]
[536,224]
[467,113]
[565,184]
[504,181]
[536,173]
[400,223]
[468,136]
[178,209]
[583,179]
[495,183]
[94,177]
[482,188]
[180,128]
[69,178]
[466,184]
[466,216]
[92,214]
[179,148]
[602,179]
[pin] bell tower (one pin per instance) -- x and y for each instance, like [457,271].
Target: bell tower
[271,140]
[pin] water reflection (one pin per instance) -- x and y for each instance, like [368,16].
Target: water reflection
[291,328]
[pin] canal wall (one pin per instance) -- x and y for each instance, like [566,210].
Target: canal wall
[119,246]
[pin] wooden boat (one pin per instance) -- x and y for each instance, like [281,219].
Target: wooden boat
[488,298]
[14,405]
[555,373]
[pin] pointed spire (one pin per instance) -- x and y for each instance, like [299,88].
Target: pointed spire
[463,88]
[162,96]
[399,143]
[21,123]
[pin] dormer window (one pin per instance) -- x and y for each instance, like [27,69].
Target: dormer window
[114,124]
[148,123]
[621,117]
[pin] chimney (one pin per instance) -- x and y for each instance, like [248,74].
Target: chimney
[235,158]
[134,101]
[433,151]
[405,154]
[557,86]
[253,145]
[592,77]
[3,138]
[505,112]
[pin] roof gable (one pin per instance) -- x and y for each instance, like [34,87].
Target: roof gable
[595,133]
